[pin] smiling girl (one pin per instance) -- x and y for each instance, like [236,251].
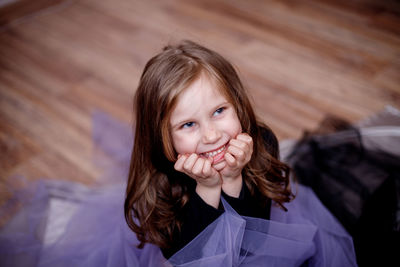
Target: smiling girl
[206,134]
[203,166]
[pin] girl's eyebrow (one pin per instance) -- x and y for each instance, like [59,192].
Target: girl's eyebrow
[181,122]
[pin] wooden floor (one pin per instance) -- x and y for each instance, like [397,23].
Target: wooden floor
[300,60]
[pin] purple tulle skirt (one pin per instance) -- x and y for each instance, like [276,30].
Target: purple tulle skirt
[67,224]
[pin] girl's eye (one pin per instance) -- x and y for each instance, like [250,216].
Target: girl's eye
[218,111]
[188,125]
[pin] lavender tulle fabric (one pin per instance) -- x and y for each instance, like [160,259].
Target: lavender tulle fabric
[67,224]
[306,235]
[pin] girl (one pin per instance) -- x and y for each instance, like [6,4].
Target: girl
[205,182]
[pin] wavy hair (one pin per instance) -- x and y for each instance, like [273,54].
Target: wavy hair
[156,193]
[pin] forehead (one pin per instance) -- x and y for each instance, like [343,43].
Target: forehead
[202,94]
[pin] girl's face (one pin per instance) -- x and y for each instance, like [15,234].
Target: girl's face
[203,121]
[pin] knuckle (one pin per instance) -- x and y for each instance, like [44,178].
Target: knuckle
[178,166]
[248,139]
[186,166]
[197,170]
[243,145]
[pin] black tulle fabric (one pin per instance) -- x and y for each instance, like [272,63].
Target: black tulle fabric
[359,183]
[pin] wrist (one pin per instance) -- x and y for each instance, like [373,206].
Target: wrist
[210,195]
[232,186]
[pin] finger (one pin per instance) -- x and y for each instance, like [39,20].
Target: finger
[247,139]
[236,152]
[179,163]
[207,170]
[230,160]
[218,167]
[198,166]
[239,144]
[244,137]
[189,163]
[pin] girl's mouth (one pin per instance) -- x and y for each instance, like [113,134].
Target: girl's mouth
[217,155]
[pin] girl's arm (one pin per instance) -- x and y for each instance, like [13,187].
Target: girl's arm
[232,187]
[238,154]
[210,195]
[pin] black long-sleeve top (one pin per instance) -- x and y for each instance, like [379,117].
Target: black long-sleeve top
[197,215]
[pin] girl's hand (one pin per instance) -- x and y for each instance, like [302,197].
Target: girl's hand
[208,180]
[237,156]
[199,169]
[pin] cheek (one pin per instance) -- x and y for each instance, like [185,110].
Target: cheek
[236,125]
[238,129]
[183,144]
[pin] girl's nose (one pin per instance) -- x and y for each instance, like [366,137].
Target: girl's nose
[211,135]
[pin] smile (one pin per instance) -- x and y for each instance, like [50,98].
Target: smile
[215,152]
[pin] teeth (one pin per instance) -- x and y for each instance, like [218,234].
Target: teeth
[212,154]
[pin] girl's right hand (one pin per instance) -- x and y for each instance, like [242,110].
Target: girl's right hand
[200,169]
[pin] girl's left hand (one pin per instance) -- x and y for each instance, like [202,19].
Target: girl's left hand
[238,154]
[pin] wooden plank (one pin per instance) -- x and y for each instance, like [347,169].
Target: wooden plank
[300,60]
[20,9]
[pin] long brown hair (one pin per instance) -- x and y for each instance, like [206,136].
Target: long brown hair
[156,193]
